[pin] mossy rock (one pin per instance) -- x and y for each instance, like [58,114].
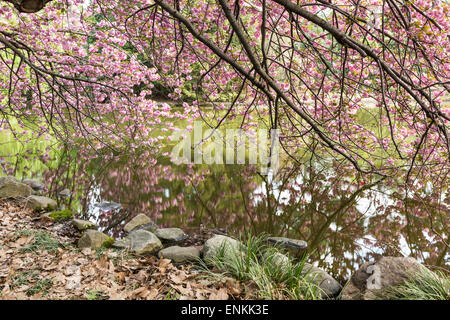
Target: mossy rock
[39,203]
[94,239]
[61,215]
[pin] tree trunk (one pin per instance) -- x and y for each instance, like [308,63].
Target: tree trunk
[28,6]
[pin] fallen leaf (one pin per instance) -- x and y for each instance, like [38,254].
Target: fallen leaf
[152,294]
[219,295]
[164,262]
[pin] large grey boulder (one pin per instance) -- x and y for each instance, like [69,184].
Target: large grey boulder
[152,227]
[180,254]
[11,188]
[294,246]
[230,247]
[277,258]
[123,243]
[171,235]
[35,202]
[141,242]
[83,224]
[141,221]
[371,278]
[93,239]
[328,286]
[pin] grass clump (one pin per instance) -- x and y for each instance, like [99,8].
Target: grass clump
[27,278]
[41,286]
[23,279]
[424,285]
[273,273]
[95,294]
[41,241]
[100,252]
[61,215]
[171,296]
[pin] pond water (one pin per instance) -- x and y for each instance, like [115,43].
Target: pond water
[344,223]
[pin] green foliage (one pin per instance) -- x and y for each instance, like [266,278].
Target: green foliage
[100,252]
[40,210]
[425,285]
[61,215]
[275,276]
[108,243]
[26,278]
[95,295]
[23,279]
[40,286]
[23,152]
[171,296]
[41,241]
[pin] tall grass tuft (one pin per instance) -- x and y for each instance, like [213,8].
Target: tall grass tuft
[424,285]
[273,273]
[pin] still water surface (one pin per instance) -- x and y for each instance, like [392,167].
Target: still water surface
[343,223]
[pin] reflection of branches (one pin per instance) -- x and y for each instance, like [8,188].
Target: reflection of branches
[204,205]
[119,219]
[318,236]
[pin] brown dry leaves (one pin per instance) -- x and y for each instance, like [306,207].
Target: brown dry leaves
[69,273]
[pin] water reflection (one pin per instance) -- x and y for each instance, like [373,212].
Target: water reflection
[346,221]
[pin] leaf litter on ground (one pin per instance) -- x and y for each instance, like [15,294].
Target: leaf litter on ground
[39,260]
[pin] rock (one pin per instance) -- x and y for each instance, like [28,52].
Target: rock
[83,224]
[11,188]
[140,220]
[171,234]
[141,242]
[328,285]
[35,184]
[152,227]
[294,246]
[65,193]
[144,242]
[180,254]
[35,202]
[372,277]
[93,239]
[124,243]
[108,205]
[210,248]
[280,259]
